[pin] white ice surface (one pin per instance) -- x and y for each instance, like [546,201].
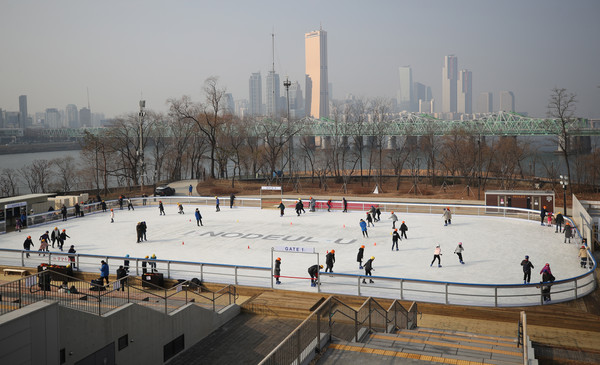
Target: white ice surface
[494,246]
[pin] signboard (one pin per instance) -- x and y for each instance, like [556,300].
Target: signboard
[14,205]
[294,249]
[270,188]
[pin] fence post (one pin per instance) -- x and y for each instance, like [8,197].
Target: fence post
[318,314]
[446,285]
[22,258]
[495,296]
[401,289]
[166,299]
[355,326]
[20,295]
[169,269]
[575,288]
[236,275]
[370,328]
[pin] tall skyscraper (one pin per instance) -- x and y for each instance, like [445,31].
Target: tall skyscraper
[23,111]
[53,118]
[85,117]
[255,95]
[72,116]
[296,101]
[507,101]
[2,119]
[317,95]
[405,93]
[272,94]
[485,103]
[449,80]
[465,92]
[422,95]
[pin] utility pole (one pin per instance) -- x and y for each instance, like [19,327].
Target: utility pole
[287,85]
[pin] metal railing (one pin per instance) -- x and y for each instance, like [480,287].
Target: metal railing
[334,318]
[97,299]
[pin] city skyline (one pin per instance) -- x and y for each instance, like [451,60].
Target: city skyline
[154,50]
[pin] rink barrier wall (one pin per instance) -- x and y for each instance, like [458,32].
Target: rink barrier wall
[456,293]
[405,289]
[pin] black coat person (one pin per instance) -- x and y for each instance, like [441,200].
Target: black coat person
[63,237]
[360,255]
[527,266]
[403,229]
[277,270]
[330,260]
[313,271]
[28,244]
[144,229]
[77,210]
[345,203]
[63,212]
[121,277]
[395,239]
[139,233]
[543,213]
[231,200]
[368,269]
[559,219]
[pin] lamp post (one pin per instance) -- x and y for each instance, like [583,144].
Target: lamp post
[564,181]
[287,85]
[141,146]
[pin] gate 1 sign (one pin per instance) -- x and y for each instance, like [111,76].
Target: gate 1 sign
[295,249]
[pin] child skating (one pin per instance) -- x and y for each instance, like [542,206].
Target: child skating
[459,250]
[437,255]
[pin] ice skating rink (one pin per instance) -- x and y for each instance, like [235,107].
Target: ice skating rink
[493,246]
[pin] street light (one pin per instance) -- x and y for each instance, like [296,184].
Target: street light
[287,83]
[564,181]
[140,151]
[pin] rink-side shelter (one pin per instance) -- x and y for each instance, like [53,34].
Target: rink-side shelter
[527,199]
[11,208]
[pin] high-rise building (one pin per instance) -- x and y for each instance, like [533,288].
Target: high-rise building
[229,107]
[2,119]
[296,101]
[52,118]
[272,88]
[72,116]
[85,117]
[405,92]
[507,101]
[317,95]
[422,93]
[465,92]
[485,103]
[449,80]
[23,111]
[255,95]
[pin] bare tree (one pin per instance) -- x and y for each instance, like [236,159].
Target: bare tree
[37,175]
[9,180]
[561,106]
[66,173]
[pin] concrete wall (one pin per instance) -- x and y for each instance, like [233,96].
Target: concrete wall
[36,334]
[30,335]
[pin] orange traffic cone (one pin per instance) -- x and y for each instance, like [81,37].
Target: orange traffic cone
[374,243]
[182,243]
[248,246]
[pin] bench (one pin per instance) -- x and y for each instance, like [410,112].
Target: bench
[16,271]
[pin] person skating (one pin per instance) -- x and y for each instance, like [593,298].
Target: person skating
[582,256]
[329,205]
[103,205]
[559,220]
[180,206]
[45,236]
[345,204]
[370,220]
[543,213]
[281,207]
[372,211]
[121,277]
[330,260]
[437,255]
[547,278]
[217,204]
[231,200]
[395,238]
[190,188]
[313,271]
[153,263]
[527,266]
[198,218]
[77,210]
[298,207]
[549,219]
[378,213]
[144,229]
[301,205]
[277,270]
[359,256]
[129,204]
[447,216]
[54,235]
[403,229]
[312,203]
[568,232]
[63,212]
[63,238]
[72,257]
[394,219]
[19,224]
[459,250]
[43,246]
[112,216]
[161,208]
[368,269]
[138,231]
[27,245]
[104,271]
[363,228]
[121,197]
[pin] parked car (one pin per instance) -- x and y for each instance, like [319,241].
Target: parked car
[164,191]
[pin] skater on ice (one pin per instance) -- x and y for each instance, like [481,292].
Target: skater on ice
[54,235]
[301,204]
[345,204]
[231,200]
[298,207]
[583,256]
[161,208]
[378,213]
[277,270]
[568,232]
[312,203]
[329,205]
[112,216]
[403,229]
[437,255]
[363,228]
[180,206]
[543,213]
[447,216]
[395,238]
[313,271]
[330,260]
[369,220]
[359,256]
[368,269]
[547,277]
[394,219]
[559,220]
[550,219]
[459,250]
[527,266]
[281,207]
[217,204]
[72,257]
[28,244]
[198,218]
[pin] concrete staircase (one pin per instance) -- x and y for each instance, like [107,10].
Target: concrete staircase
[425,346]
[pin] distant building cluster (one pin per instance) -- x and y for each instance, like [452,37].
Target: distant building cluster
[69,117]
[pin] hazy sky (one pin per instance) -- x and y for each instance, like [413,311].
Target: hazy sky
[52,51]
